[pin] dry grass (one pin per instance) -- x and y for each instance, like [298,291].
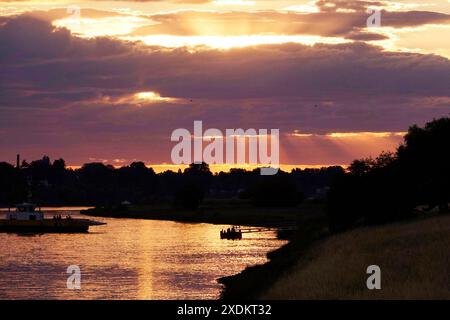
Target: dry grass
[414,258]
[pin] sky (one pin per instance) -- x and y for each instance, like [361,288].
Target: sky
[108,81]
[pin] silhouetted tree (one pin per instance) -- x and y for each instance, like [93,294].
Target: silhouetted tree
[99,183]
[425,155]
[389,187]
[13,187]
[137,183]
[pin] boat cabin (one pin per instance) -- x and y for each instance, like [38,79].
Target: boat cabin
[25,211]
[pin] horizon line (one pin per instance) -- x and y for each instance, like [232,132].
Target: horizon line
[216,168]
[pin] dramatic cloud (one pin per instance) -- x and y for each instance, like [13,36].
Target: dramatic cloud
[91,97]
[61,13]
[332,23]
[335,19]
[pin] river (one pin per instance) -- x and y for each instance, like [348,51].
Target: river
[128,259]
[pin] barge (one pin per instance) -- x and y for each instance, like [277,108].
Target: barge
[26,219]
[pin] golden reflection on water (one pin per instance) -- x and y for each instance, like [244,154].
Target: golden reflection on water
[128,259]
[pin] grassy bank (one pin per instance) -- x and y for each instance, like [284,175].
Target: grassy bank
[216,211]
[414,258]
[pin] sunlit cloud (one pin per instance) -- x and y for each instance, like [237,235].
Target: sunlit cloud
[309,7]
[425,39]
[92,159]
[341,146]
[309,22]
[298,134]
[139,99]
[233,136]
[228,42]
[344,135]
[404,6]
[108,26]
[365,134]
[119,161]
[148,97]
[151,96]
[233,3]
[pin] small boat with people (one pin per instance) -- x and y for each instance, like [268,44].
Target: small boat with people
[232,233]
[284,230]
[26,219]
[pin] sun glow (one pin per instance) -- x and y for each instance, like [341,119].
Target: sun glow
[365,134]
[138,99]
[233,3]
[344,135]
[228,42]
[150,96]
[216,168]
[309,7]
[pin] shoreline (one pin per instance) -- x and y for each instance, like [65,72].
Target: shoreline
[234,212]
[253,280]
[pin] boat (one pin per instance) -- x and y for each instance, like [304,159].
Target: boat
[26,219]
[231,234]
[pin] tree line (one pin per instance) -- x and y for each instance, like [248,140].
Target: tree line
[397,185]
[52,183]
[392,186]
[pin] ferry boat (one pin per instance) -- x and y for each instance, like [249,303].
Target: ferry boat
[26,219]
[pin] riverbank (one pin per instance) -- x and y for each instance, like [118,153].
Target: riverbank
[216,211]
[413,257]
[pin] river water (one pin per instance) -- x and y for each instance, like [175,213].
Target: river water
[128,259]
